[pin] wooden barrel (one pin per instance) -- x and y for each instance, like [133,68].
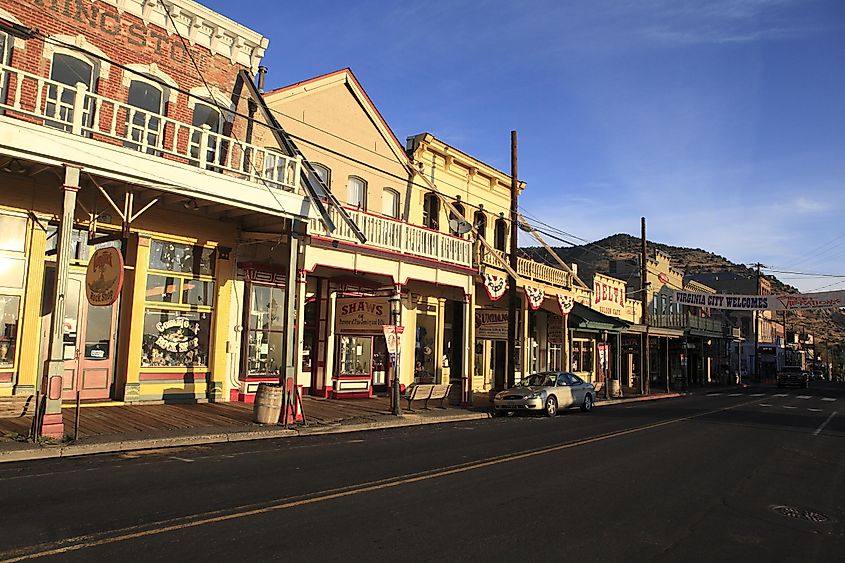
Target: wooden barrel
[268,403]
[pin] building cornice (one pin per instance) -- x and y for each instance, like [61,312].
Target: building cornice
[200,26]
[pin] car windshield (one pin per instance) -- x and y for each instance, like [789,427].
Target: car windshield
[538,380]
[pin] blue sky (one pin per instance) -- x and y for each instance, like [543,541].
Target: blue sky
[721,122]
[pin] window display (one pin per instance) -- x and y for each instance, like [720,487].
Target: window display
[355,355]
[265,330]
[9,312]
[175,338]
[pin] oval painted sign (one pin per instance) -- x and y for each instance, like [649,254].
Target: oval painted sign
[104,277]
[663,278]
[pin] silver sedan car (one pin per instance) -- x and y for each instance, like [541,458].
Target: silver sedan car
[546,392]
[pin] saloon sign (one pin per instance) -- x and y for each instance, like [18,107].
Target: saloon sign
[608,298]
[104,277]
[361,314]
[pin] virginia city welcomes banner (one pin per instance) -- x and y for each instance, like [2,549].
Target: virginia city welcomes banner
[780,302]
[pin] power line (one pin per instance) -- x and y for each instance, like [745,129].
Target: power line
[805,274]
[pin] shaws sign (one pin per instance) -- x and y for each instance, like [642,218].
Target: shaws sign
[362,314]
[781,302]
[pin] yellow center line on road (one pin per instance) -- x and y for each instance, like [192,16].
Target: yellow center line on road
[214,517]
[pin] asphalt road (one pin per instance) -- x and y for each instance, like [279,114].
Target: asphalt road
[756,475]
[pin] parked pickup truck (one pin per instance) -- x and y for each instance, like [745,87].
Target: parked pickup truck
[793,375]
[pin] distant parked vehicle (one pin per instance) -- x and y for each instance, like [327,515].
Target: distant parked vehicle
[793,376]
[546,392]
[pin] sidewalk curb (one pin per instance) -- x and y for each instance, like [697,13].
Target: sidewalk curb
[31,453]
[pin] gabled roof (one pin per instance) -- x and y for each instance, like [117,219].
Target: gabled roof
[347,77]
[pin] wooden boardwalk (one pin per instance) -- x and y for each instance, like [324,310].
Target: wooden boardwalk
[140,419]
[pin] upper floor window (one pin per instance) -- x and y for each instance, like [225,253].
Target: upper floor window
[67,71]
[501,236]
[356,192]
[431,211]
[390,203]
[480,223]
[206,114]
[324,173]
[144,117]
[453,218]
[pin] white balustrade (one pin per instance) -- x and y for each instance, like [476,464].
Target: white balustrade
[77,111]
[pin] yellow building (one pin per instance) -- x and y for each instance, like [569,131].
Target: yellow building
[409,264]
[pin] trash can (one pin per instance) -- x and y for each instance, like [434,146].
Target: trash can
[268,403]
[615,388]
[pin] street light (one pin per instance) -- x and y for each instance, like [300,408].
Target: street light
[395,302]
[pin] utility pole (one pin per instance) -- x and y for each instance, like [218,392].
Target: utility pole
[512,295]
[645,376]
[758,265]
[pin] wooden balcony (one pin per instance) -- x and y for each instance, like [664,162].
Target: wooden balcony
[533,270]
[686,321]
[399,237]
[75,110]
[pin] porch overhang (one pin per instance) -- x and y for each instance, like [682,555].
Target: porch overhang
[589,320]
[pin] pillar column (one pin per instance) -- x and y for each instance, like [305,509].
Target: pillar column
[220,346]
[301,282]
[132,319]
[438,342]
[524,336]
[330,344]
[291,332]
[51,423]
[468,367]
[28,353]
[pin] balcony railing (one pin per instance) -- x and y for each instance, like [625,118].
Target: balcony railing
[77,111]
[396,236]
[534,271]
[686,321]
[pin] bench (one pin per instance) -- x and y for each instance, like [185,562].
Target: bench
[16,406]
[427,392]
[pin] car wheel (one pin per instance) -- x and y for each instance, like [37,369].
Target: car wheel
[588,403]
[551,406]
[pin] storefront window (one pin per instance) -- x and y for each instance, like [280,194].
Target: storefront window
[9,314]
[424,366]
[355,355]
[182,258]
[177,320]
[265,330]
[175,338]
[582,355]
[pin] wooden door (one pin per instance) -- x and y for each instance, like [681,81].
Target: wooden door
[89,343]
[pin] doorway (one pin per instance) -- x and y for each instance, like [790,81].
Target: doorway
[89,340]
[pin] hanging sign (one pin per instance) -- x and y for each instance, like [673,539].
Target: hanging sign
[781,302]
[492,324]
[535,296]
[566,304]
[392,334]
[104,277]
[495,286]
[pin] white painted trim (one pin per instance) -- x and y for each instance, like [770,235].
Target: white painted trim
[100,65]
[216,95]
[141,72]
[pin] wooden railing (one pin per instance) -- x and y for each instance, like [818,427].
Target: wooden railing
[532,270]
[397,236]
[77,111]
[686,321]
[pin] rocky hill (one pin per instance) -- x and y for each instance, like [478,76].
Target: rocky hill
[825,325]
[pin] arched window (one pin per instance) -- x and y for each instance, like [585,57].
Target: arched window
[480,223]
[356,192]
[431,211]
[390,203]
[324,173]
[68,70]
[206,114]
[452,217]
[501,236]
[143,119]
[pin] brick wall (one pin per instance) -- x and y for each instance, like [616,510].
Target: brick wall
[126,40]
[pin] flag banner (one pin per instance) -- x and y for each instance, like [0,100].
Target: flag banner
[780,302]
[535,296]
[566,304]
[495,286]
